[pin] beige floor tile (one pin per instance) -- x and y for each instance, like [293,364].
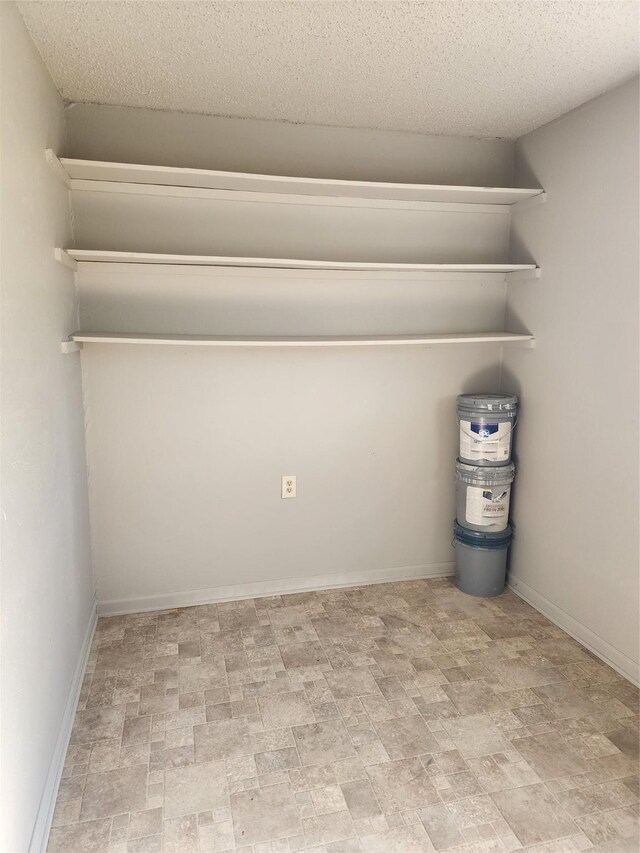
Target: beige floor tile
[155,700]
[145,823]
[114,792]
[285,710]
[567,701]
[408,839]
[288,617]
[474,811]
[551,756]
[277,760]
[66,812]
[441,827]
[328,800]
[241,618]
[201,676]
[633,784]
[626,740]
[216,837]
[534,814]
[406,736]
[152,844]
[329,628]
[328,828]
[195,789]
[514,673]
[323,743]
[629,845]
[302,655]
[221,739]
[181,835]
[472,697]
[496,775]
[360,799]
[459,786]
[118,657]
[264,814]
[98,724]
[402,785]
[476,735]
[188,717]
[165,759]
[89,837]
[595,798]
[393,664]
[136,729]
[598,829]
[563,650]
[222,643]
[346,683]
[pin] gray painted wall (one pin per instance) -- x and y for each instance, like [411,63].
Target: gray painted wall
[576,497]
[127,135]
[47,587]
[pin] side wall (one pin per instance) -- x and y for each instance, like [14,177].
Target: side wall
[187,447]
[575,506]
[47,587]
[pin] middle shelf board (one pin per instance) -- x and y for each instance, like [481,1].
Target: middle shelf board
[95,170]
[69,256]
[303,341]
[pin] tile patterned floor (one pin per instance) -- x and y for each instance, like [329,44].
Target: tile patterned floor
[397,718]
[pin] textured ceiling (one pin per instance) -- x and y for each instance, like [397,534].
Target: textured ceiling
[467,68]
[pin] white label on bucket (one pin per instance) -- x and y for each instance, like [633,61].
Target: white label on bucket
[490,442]
[488,508]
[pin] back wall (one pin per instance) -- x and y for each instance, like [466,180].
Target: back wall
[187,446]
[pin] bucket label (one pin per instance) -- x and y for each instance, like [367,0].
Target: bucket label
[482,441]
[484,430]
[488,507]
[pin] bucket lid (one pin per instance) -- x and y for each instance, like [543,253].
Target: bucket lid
[488,402]
[480,539]
[500,474]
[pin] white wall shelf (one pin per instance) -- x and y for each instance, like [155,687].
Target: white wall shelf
[70,257]
[78,174]
[508,338]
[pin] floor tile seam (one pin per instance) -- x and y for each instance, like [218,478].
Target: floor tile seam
[611,809]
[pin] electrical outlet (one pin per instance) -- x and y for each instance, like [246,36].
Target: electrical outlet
[289,486]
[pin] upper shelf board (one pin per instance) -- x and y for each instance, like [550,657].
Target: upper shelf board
[69,256]
[304,341]
[128,173]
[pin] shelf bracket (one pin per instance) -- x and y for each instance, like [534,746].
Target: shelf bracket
[57,167]
[67,347]
[65,259]
[522,275]
[526,203]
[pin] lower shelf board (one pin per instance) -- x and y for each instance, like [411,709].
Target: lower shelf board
[303,341]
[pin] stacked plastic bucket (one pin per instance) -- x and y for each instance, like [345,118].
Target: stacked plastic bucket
[484,474]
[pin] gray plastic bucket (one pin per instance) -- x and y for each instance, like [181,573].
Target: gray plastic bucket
[486,422]
[482,496]
[481,561]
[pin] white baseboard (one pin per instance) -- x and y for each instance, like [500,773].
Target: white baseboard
[42,827]
[592,641]
[261,589]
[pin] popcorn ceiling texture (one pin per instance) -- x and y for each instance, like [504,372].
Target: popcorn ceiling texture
[465,68]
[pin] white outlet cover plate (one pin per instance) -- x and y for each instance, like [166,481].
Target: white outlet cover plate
[288,486]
